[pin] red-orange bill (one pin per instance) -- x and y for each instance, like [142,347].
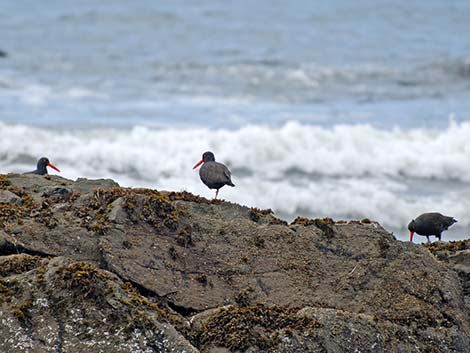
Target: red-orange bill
[53,167]
[411,236]
[198,164]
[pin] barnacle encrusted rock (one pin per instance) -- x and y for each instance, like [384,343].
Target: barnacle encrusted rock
[89,266]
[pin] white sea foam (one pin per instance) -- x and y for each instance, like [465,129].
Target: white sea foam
[343,171]
[38,94]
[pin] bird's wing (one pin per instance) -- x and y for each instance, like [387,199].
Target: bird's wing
[449,221]
[435,222]
[221,173]
[213,173]
[442,222]
[227,173]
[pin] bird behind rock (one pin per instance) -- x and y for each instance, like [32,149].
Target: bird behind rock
[41,167]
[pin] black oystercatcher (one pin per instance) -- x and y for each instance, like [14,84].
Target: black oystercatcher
[42,165]
[432,223]
[213,174]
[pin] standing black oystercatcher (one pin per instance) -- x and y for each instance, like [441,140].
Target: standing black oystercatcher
[41,167]
[213,174]
[432,223]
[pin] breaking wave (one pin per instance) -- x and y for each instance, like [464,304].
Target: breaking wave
[343,171]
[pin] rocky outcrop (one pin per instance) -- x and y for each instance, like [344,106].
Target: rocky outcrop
[457,255]
[89,266]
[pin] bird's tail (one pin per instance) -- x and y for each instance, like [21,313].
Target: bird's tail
[231,184]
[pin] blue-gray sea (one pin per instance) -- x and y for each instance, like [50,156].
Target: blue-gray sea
[346,109]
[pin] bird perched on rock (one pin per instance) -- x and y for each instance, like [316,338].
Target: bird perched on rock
[41,167]
[215,175]
[432,223]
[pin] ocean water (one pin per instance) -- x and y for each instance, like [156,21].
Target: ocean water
[341,109]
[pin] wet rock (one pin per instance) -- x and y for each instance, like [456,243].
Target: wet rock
[457,255]
[58,194]
[73,306]
[9,197]
[117,213]
[167,270]
[87,185]
[16,264]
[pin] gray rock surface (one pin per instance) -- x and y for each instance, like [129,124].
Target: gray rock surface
[9,197]
[89,266]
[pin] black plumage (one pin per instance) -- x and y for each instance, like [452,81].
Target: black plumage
[428,224]
[41,167]
[213,174]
